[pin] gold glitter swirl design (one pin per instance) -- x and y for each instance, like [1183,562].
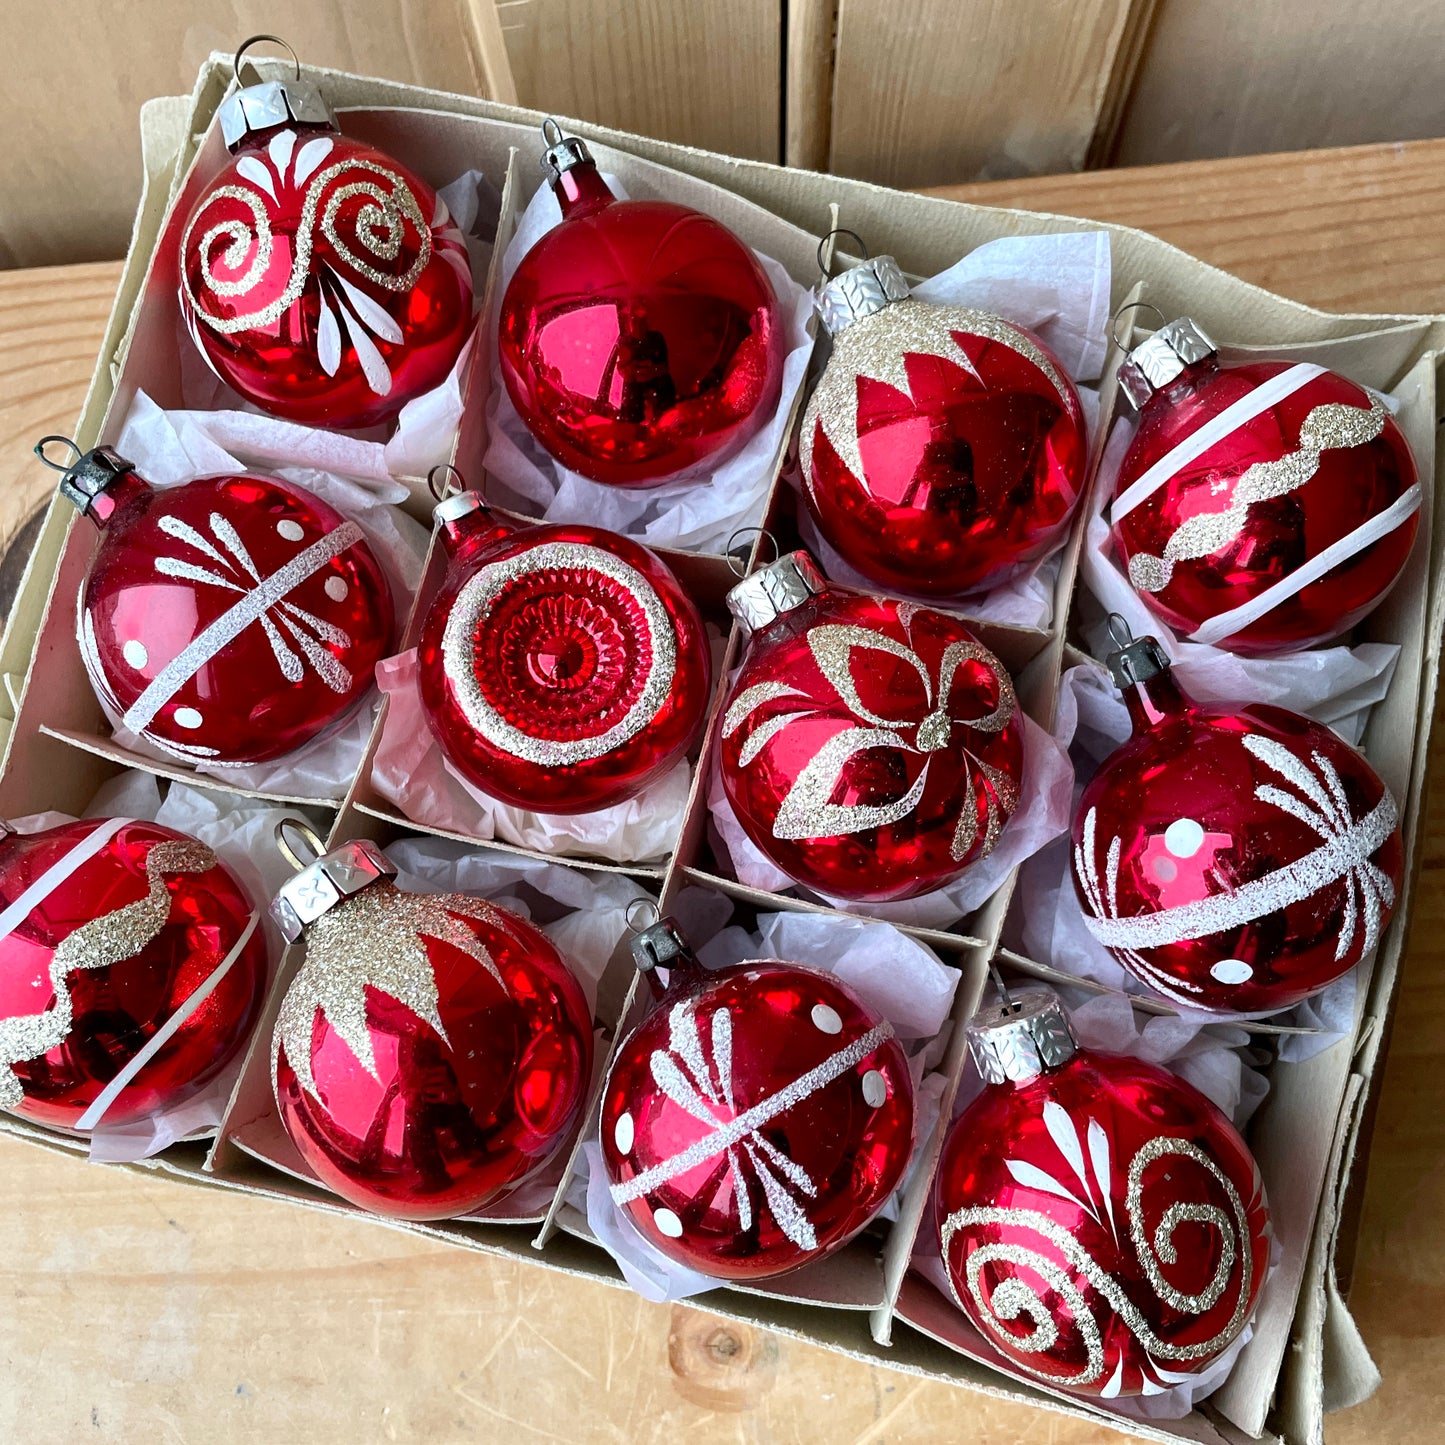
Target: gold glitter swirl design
[110,939]
[877,348]
[373,939]
[807,811]
[1013,1297]
[380,230]
[1329,426]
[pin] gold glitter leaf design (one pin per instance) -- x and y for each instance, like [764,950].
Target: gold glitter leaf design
[373,940]
[109,939]
[1329,426]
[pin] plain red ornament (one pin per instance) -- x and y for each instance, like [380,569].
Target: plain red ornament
[1235,858]
[870,748]
[320,278]
[562,668]
[1102,1223]
[1260,506]
[638,339]
[227,620]
[131,971]
[433,1051]
[757,1118]
[943,448]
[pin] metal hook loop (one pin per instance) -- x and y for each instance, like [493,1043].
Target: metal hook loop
[305,831]
[39,450]
[441,491]
[733,546]
[840,231]
[552,133]
[651,914]
[1124,310]
[1120,633]
[257,40]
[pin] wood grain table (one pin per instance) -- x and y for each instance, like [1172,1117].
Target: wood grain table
[141,1310]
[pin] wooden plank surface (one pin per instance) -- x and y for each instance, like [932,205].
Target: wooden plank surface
[143,1310]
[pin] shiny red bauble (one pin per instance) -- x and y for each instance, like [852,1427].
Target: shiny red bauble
[562,668]
[1235,858]
[433,1051]
[131,971]
[1261,506]
[228,620]
[638,339]
[870,748]
[756,1120]
[1102,1223]
[943,449]
[320,278]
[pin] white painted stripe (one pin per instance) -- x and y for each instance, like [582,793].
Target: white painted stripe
[163,1035]
[57,873]
[1227,624]
[231,623]
[1213,431]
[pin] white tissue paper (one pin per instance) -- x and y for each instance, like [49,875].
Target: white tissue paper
[584,914]
[1058,287]
[241,832]
[1092,722]
[1217,1060]
[425,428]
[1335,685]
[1044,811]
[169,448]
[696,513]
[894,975]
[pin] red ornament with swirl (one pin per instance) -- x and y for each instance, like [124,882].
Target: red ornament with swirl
[228,620]
[1102,1224]
[433,1051]
[943,448]
[132,969]
[1261,506]
[638,339]
[320,278]
[870,748]
[1236,859]
[562,669]
[757,1119]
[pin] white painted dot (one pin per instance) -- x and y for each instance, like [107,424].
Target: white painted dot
[1184,837]
[292,531]
[1231,970]
[875,1089]
[827,1019]
[1166,870]
[667,1222]
[187,717]
[623,1134]
[336,589]
[135,653]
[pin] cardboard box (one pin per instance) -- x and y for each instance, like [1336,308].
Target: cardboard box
[56,750]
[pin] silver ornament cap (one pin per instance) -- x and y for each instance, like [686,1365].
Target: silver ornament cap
[860,292]
[1154,363]
[92,475]
[779,587]
[563,152]
[272,102]
[1134,659]
[1017,1040]
[321,885]
[457,506]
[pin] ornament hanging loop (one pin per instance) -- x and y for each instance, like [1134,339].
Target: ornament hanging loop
[825,252]
[261,39]
[1123,311]
[306,833]
[641,914]
[1120,633]
[444,480]
[737,552]
[64,441]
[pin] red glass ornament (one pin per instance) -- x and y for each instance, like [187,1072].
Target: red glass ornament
[433,1051]
[1261,506]
[1102,1223]
[943,448]
[638,339]
[562,669]
[1234,858]
[870,748]
[228,620]
[131,971]
[757,1119]
[321,279]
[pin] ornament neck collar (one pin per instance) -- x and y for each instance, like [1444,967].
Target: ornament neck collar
[860,292]
[327,880]
[1163,358]
[1019,1038]
[662,945]
[98,483]
[575,179]
[464,520]
[775,589]
[263,107]
[1141,670]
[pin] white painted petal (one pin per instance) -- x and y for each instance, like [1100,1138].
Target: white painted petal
[257,173]
[369,310]
[1116,1382]
[280,149]
[373,364]
[310,156]
[1066,1139]
[328,338]
[1032,1177]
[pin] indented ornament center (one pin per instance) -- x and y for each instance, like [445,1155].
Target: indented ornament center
[934,731]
